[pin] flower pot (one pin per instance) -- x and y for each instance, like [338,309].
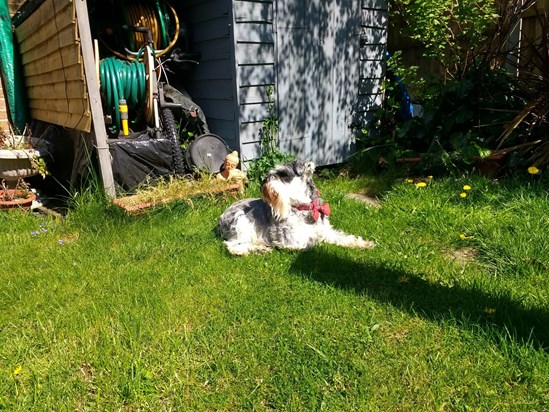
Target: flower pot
[15,198]
[17,163]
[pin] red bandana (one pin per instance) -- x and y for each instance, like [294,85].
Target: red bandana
[316,208]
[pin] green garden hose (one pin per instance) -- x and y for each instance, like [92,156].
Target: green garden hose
[122,80]
[156,15]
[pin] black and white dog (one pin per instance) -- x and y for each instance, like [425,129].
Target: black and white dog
[291,215]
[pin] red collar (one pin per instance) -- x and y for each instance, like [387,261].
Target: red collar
[316,207]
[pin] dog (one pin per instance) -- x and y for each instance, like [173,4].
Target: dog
[290,215]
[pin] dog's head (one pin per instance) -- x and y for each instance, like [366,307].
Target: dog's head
[289,185]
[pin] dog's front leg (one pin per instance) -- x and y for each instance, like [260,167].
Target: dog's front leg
[340,238]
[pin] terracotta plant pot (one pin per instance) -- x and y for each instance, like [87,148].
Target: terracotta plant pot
[16,199]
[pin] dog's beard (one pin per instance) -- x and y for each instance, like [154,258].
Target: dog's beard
[282,196]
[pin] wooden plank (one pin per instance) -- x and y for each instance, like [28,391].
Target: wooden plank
[222,88]
[372,70]
[44,39]
[250,132]
[369,102]
[254,112]
[210,30]
[95,98]
[67,90]
[69,73]
[55,61]
[247,12]
[253,94]
[208,10]
[217,109]
[371,35]
[254,32]
[252,53]
[256,75]
[373,52]
[374,18]
[57,11]
[64,52]
[73,121]
[214,50]
[375,4]
[249,150]
[74,106]
[221,69]
[369,86]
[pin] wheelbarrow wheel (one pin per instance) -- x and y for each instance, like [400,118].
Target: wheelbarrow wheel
[170,131]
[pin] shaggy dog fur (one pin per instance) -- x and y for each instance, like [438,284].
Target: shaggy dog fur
[291,215]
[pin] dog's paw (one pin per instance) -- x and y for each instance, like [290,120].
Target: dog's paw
[364,244]
[243,249]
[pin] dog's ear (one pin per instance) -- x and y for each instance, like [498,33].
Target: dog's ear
[272,192]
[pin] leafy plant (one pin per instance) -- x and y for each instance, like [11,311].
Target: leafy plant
[529,128]
[452,32]
[270,154]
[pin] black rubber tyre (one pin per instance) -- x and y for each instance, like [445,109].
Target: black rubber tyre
[168,125]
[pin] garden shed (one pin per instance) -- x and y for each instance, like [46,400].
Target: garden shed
[324,61]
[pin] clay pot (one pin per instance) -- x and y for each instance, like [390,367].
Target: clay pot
[16,199]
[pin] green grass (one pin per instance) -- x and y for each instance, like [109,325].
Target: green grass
[105,312]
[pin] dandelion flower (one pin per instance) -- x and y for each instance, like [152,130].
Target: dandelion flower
[18,370]
[533,170]
[462,236]
[463,195]
[409,181]
[466,187]
[421,184]
[429,177]
[490,311]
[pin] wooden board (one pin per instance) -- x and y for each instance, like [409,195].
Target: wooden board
[53,66]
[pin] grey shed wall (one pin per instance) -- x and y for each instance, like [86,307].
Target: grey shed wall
[325,59]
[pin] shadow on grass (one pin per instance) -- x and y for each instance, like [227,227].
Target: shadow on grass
[411,293]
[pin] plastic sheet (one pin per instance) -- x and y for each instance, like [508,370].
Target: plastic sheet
[140,158]
[11,72]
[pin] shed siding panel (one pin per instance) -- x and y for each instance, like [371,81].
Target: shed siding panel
[52,66]
[255,68]
[212,86]
[329,67]
[373,40]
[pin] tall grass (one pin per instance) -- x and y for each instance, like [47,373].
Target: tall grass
[104,311]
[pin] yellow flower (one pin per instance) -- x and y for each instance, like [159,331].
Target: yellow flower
[466,187]
[463,195]
[409,181]
[490,311]
[429,177]
[18,370]
[462,236]
[421,184]
[533,170]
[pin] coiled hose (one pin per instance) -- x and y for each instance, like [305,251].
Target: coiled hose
[154,16]
[122,80]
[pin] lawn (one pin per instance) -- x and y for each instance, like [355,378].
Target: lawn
[103,311]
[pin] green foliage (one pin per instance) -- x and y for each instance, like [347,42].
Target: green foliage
[460,123]
[477,107]
[270,154]
[451,31]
